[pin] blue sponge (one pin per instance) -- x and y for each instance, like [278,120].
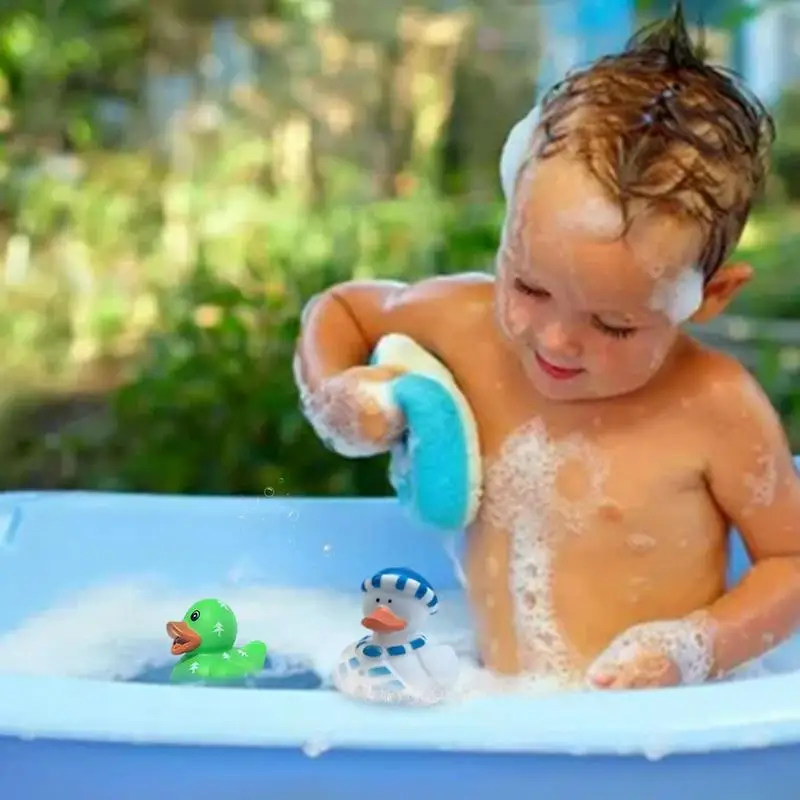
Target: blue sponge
[436,468]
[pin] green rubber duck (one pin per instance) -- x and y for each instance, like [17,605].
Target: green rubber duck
[205,639]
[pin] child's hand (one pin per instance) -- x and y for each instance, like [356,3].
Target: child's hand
[656,654]
[642,671]
[353,412]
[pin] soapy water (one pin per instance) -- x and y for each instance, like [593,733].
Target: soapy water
[117,633]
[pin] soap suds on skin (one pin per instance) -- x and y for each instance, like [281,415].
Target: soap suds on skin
[522,498]
[334,410]
[640,543]
[688,642]
[762,484]
[593,215]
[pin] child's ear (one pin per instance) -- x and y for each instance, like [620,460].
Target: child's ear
[721,289]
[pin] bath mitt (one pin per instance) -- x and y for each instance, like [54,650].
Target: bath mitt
[435,469]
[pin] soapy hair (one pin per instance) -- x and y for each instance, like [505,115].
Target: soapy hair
[661,129]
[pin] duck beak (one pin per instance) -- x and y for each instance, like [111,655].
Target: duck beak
[184,639]
[382,620]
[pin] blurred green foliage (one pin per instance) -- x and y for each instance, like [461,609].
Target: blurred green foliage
[210,406]
[190,285]
[213,407]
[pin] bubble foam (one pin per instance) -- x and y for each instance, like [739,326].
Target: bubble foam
[688,643]
[337,409]
[762,484]
[523,497]
[679,297]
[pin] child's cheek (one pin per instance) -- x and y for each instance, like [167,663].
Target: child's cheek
[658,353]
[513,310]
[604,352]
[518,315]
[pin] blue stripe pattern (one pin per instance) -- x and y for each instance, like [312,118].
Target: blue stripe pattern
[382,674]
[375,651]
[406,582]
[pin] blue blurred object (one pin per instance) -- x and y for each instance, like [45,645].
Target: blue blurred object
[106,740]
[575,33]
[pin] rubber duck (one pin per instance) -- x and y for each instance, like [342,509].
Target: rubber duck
[205,641]
[395,662]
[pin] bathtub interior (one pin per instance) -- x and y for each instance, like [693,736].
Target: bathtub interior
[78,568]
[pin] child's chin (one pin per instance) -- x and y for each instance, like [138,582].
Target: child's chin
[552,389]
[582,387]
[555,391]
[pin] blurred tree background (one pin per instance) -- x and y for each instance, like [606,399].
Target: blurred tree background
[177,179]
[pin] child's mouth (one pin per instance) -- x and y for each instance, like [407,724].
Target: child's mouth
[559,373]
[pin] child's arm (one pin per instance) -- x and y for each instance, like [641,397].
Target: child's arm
[752,477]
[754,480]
[341,326]
[346,401]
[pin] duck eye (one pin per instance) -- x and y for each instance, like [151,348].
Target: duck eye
[377,599]
[389,600]
[195,616]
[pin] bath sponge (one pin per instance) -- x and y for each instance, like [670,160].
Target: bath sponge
[436,468]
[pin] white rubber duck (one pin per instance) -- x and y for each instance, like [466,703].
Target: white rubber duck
[396,664]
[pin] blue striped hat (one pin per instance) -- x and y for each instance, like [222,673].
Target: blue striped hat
[406,582]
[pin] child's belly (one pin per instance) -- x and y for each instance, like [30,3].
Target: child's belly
[561,561]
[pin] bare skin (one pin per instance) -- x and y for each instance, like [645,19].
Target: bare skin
[642,458]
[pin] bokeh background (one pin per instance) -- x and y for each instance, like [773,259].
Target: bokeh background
[177,178]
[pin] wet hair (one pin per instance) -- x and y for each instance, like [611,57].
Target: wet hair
[662,129]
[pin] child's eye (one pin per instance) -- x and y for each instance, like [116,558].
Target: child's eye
[531,291]
[618,332]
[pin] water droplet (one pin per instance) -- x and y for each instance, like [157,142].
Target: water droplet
[269,491]
[280,480]
[315,747]
[640,542]
[327,549]
[293,515]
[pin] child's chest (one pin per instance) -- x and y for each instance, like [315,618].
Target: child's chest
[623,469]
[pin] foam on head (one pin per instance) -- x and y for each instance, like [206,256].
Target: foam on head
[516,150]
[679,297]
[593,214]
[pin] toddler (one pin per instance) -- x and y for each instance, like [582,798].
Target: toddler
[618,451]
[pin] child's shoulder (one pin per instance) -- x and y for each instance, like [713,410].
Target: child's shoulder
[450,292]
[448,307]
[720,387]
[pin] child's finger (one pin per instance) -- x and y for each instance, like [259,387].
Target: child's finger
[603,680]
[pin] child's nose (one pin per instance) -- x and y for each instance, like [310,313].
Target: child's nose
[559,339]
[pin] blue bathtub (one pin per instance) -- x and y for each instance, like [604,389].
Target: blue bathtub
[106,740]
